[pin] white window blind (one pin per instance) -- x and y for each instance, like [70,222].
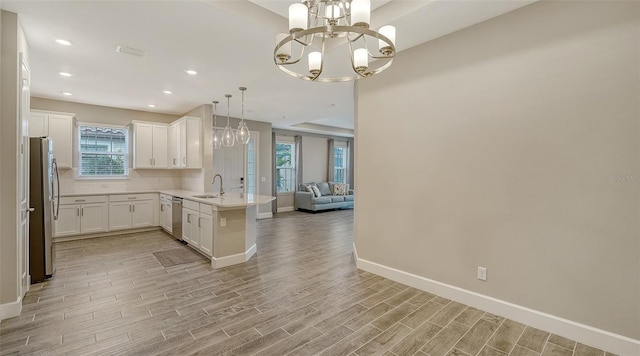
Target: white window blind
[340,162]
[285,167]
[104,151]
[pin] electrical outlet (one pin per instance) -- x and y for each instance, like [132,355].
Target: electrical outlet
[223,223]
[482,273]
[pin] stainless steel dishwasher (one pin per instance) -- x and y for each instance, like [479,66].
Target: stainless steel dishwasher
[176,218]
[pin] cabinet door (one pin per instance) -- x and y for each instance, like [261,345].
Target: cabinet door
[120,215]
[168,212]
[189,220]
[163,206]
[142,147]
[194,143]
[174,146]
[142,214]
[160,149]
[68,222]
[60,131]
[182,143]
[93,217]
[38,124]
[195,231]
[206,234]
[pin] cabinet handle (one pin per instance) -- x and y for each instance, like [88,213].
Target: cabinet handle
[129,208]
[78,211]
[132,198]
[174,161]
[161,207]
[199,222]
[81,211]
[80,200]
[188,218]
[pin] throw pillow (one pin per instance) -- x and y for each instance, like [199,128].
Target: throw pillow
[316,191]
[309,189]
[340,189]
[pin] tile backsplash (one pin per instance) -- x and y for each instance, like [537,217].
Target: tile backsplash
[139,180]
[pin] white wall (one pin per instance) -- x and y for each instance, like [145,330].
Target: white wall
[13,42]
[506,149]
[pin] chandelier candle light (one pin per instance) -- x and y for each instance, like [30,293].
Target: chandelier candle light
[315,26]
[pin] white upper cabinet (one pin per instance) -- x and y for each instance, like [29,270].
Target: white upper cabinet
[58,127]
[185,141]
[150,148]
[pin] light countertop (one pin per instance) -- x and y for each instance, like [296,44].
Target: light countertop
[228,200]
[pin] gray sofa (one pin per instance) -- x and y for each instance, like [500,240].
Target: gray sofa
[306,200]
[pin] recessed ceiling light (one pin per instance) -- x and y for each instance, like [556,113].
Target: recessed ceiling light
[66,93]
[191,71]
[151,105]
[65,74]
[167,91]
[63,42]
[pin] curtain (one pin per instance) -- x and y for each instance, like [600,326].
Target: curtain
[330,168]
[350,164]
[298,141]
[274,187]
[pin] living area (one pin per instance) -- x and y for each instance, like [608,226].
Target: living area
[313,172]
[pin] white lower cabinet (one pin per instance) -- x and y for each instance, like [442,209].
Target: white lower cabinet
[131,211]
[166,213]
[82,215]
[197,226]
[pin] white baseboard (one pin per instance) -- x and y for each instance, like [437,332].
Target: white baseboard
[233,259]
[585,334]
[268,215]
[286,209]
[11,310]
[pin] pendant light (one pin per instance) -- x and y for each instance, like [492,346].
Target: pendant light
[242,134]
[216,140]
[228,137]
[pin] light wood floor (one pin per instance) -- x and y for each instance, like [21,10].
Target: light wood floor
[300,295]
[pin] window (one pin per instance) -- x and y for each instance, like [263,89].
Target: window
[340,162]
[285,166]
[104,151]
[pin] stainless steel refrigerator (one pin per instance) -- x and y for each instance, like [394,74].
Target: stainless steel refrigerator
[44,189]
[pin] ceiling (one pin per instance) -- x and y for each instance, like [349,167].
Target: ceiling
[229,43]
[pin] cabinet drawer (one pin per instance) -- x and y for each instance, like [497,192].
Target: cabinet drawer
[83,199]
[206,209]
[130,197]
[190,205]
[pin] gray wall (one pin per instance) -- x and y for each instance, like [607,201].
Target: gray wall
[515,146]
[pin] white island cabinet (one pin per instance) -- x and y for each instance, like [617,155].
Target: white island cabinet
[223,229]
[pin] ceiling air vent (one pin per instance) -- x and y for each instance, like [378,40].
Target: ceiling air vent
[132,51]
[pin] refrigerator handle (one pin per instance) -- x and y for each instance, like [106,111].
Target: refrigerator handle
[55,168]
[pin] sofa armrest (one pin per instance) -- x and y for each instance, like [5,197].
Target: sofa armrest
[303,200]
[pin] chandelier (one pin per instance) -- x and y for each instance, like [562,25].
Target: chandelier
[317,26]
[228,137]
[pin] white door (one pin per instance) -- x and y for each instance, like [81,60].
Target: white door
[94,217]
[68,222]
[237,166]
[38,124]
[120,215]
[142,214]
[143,150]
[60,132]
[206,234]
[23,178]
[160,148]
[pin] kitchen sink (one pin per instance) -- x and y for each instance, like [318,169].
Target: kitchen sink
[205,196]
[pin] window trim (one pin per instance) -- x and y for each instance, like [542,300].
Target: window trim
[127,155]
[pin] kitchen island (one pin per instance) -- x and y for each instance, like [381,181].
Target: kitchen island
[221,227]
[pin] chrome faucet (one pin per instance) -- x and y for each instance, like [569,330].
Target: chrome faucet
[214,182]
